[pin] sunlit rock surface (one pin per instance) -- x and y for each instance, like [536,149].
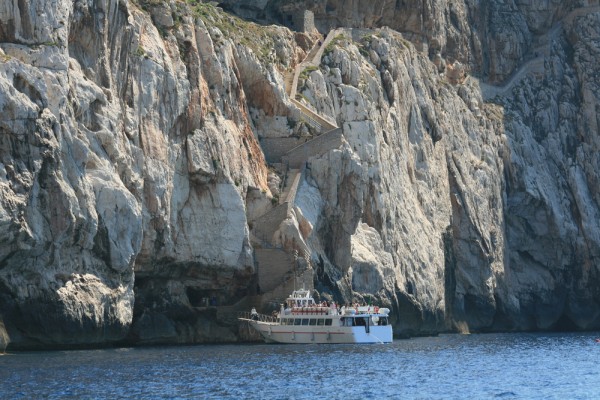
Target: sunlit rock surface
[136,200]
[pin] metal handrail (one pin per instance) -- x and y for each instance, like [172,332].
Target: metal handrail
[261,317]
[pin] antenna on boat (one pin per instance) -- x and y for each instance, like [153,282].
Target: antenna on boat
[295,265]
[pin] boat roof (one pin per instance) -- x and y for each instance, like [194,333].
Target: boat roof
[300,294]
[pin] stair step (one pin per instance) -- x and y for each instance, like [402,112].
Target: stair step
[291,185]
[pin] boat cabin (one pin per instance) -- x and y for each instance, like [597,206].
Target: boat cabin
[300,298]
[367,320]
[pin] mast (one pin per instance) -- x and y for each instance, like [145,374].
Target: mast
[295,265]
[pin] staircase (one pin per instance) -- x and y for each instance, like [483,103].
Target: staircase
[292,179]
[275,266]
[534,65]
[313,58]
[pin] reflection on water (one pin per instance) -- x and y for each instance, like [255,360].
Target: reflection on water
[448,366]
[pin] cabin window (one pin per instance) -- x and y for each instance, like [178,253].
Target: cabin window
[313,321]
[328,322]
[305,321]
[383,321]
[320,322]
[297,321]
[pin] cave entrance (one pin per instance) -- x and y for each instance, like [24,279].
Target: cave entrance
[565,324]
[199,297]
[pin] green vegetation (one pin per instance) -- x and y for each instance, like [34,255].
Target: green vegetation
[334,42]
[306,71]
[261,40]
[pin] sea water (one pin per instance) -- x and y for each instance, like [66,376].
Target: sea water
[523,366]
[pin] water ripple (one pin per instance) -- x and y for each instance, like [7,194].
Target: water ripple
[507,366]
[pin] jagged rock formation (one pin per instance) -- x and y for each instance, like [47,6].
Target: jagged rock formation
[121,150]
[136,203]
[4,339]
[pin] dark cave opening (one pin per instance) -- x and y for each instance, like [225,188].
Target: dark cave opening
[201,297]
[565,324]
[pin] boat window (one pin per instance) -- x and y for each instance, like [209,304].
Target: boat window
[383,321]
[313,321]
[328,322]
[297,321]
[321,322]
[305,321]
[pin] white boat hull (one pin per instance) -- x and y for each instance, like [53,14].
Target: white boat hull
[272,332]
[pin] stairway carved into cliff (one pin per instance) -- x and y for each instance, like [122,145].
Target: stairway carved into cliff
[534,65]
[275,265]
[328,137]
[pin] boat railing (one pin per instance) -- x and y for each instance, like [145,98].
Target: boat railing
[313,310]
[257,317]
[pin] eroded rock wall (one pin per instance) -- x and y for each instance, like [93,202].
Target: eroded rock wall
[126,146]
[487,208]
[131,165]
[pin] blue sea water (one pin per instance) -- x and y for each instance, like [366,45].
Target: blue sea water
[507,366]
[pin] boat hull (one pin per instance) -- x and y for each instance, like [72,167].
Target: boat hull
[272,332]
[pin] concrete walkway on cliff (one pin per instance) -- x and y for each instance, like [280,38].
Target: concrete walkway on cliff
[275,266]
[328,133]
[313,59]
[534,65]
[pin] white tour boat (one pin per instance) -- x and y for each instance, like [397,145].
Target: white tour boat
[304,321]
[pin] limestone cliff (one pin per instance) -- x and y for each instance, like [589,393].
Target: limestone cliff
[125,146]
[161,168]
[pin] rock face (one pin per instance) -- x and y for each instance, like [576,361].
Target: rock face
[121,150]
[491,37]
[135,192]
[4,339]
